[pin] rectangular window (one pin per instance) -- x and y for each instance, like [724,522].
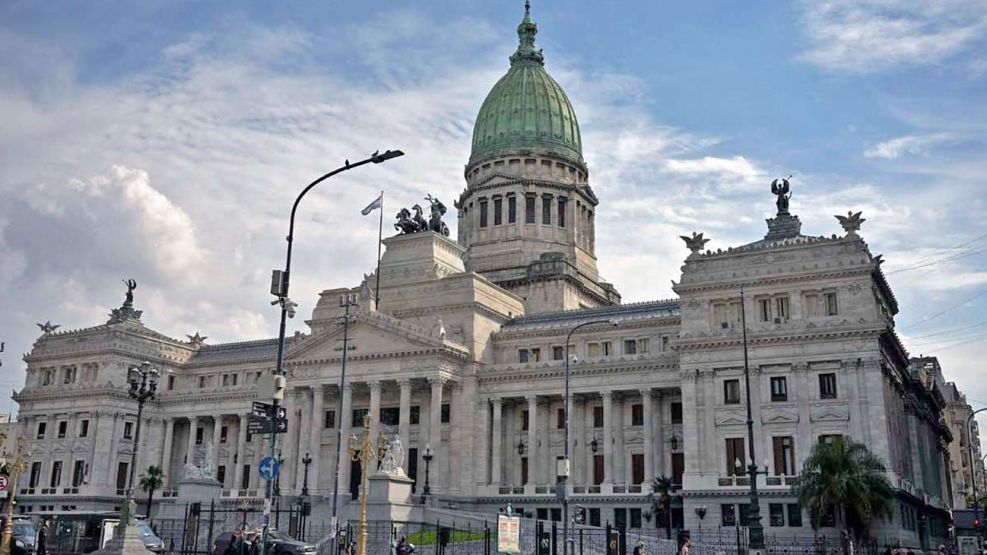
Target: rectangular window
[794,515]
[198,436]
[764,309]
[546,210]
[390,416]
[598,472]
[635,518]
[561,211]
[63,428]
[831,307]
[511,209]
[592,350]
[630,347]
[42,428]
[498,211]
[777,514]
[594,516]
[233,378]
[483,213]
[731,392]
[128,430]
[743,511]
[779,389]
[637,468]
[35,475]
[827,386]
[221,474]
[676,409]
[202,382]
[728,515]
[524,420]
[171,383]
[781,308]
[784,454]
[78,473]
[560,419]
[522,355]
[620,519]
[224,432]
[541,514]
[226,380]
[330,421]
[56,474]
[643,345]
[84,428]
[597,417]
[637,415]
[735,455]
[664,343]
[813,305]
[605,348]
[529,209]
[245,477]
[70,375]
[444,413]
[524,470]
[414,417]
[558,353]
[358,416]
[535,355]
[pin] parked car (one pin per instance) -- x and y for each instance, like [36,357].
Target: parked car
[278,543]
[24,536]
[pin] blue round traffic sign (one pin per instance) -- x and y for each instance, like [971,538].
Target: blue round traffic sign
[268,468]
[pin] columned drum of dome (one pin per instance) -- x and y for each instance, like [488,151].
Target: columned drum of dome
[527,216]
[527,109]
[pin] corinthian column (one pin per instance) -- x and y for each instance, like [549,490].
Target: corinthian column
[607,437]
[532,439]
[315,438]
[495,456]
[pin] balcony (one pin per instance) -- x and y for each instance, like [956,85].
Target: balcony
[574,489]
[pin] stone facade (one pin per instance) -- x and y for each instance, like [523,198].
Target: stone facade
[964,450]
[466,353]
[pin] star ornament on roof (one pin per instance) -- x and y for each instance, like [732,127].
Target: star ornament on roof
[196,340]
[48,328]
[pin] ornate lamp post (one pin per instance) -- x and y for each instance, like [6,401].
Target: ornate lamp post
[362,450]
[563,473]
[305,461]
[427,457]
[143,386]
[279,288]
[8,527]
[701,513]
[754,526]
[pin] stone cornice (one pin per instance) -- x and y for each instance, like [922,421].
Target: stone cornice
[717,283]
[735,339]
[560,331]
[556,370]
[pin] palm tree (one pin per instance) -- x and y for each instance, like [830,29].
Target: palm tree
[846,480]
[151,480]
[661,501]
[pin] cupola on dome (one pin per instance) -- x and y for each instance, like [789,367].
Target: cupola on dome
[527,109]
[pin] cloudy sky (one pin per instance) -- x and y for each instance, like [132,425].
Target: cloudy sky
[165,141]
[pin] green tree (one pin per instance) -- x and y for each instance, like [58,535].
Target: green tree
[661,502]
[151,480]
[848,481]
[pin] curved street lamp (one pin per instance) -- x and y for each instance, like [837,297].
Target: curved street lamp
[279,288]
[563,476]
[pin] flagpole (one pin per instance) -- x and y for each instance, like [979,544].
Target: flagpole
[380,240]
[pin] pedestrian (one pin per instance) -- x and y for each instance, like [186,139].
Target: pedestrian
[42,541]
[639,549]
[684,549]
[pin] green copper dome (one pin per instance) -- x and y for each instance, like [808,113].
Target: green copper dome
[527,109]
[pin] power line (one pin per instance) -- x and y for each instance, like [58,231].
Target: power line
[954,307]
[949,339]
[926,261]
[953,330]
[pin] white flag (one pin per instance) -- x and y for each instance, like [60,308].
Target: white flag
[373,205]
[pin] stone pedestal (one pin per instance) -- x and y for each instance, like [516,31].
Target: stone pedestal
[389,497]
[190,490]
[126,538]
[783,226]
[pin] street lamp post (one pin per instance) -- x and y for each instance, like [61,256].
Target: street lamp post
[362,450]
[701,513]
[347,301]
[563,473]
[143,386]
[305,461]
[279,288]
[427,457]
[754,527]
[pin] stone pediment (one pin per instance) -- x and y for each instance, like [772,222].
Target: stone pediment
[374,334]
[730,416]
[829,412]
[779,414]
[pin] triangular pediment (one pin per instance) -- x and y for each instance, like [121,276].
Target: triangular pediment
[373,334]
[830,412]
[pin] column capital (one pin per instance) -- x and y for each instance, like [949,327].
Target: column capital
[403,382]
[348,388]
[646,392]
[496,401]
[437,381]
[532,399]
[374,385]
[606,394]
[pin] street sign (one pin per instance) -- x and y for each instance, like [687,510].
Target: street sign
[265,426]
[266,410]
[4,482]
[268,469]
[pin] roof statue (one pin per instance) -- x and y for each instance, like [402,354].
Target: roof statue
[204,471]
[695,243]
[196,340]
[851,222]
[780,187]
[48,327]
[414,223]
[126,311]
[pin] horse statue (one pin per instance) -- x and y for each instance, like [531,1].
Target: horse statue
[438,210]
[419,219]
[405,223]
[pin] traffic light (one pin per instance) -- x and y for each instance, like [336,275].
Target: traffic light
[976,523]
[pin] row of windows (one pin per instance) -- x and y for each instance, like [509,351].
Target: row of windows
[530,210]
[637,416]
[783,448]
[228,380]
[776,514]
[79,470]
[779,389]
[776,309]
[594,349]
[82,431]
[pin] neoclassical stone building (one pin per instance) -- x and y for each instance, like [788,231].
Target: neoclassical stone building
[465,353]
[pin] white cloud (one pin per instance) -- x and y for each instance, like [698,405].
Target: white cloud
[909,144]
[861,36]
